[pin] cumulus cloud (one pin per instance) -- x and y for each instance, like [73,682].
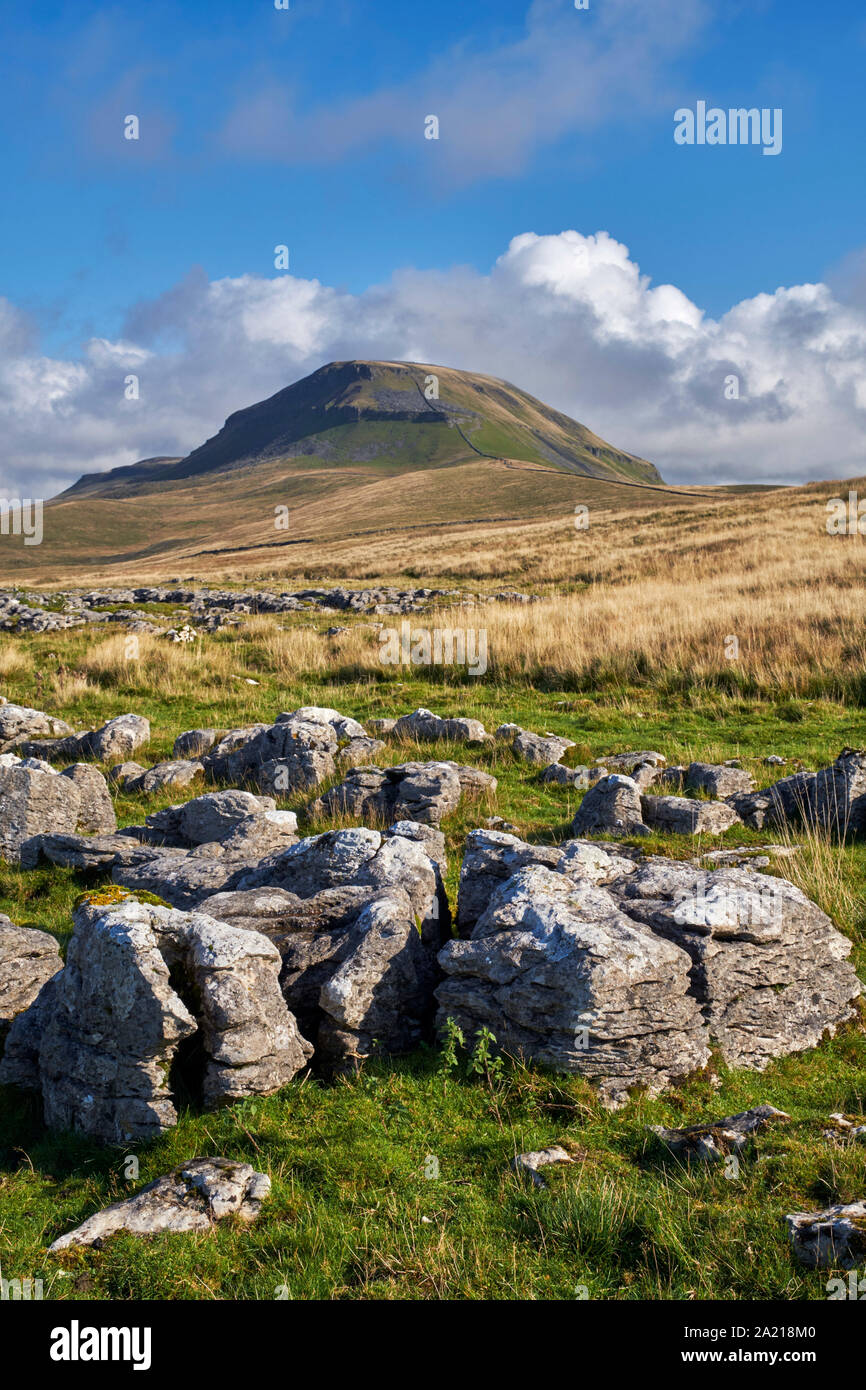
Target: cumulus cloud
[571,318]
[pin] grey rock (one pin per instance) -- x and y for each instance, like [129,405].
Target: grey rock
[718,781]
[562,977]
[713,1140]
[111,1033]
[612,807]
[793,799]
[380,996]
[251,1039]
[216,814]
[425,727]
[173,773]
[119,738]
[755,809]
[359,750]
[343,726]
[769,969]
[527,1165]
[180,878]
[96,814]
[834,1238]
[680,815]
[220,759]
[102,1037]
[122,773]
[355,972]
[258,835]
[86,852]
[193,1197]
[32,802]
[28,959]
[647,774]
[423,792]
[840,794]
[747,856]
[492,856]
[19,721]
[542,750]
[192,743]
[626,762]
[289,756]
[363,858]
[568,776]
[507,732]
[489,858]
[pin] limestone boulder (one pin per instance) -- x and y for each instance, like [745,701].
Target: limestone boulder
[32,802]
[96,815]
[193,743]
[833,1238]
[840,794]
[420,792]
[563,978]
[363,858]
[539,749]
[119,738]
[425,727]
[769,969]
[19,722]
[612,807]
[718,780]
[28,959]
[681,815]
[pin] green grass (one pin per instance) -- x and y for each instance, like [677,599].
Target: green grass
[352,1214]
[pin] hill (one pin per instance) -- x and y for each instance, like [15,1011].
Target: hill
[356,450]
[379,413]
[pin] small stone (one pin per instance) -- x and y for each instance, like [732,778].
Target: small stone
[194,1197]
[527,1165]
[716,1139]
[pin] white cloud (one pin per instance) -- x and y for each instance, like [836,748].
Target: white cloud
[571,71]
[569,317]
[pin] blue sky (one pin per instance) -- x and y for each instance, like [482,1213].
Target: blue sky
[305,127]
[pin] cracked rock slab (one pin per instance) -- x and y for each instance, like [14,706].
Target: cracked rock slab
[834,1238]
[715,1139]
[194,1197]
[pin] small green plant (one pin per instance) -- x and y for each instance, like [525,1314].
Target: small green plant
[452,1039]
[483,1060]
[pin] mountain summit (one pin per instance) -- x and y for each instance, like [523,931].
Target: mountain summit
[394,416]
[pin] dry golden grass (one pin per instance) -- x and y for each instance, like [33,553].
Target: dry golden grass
[657,587]
[827,872]
[14,660]
[69,686]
